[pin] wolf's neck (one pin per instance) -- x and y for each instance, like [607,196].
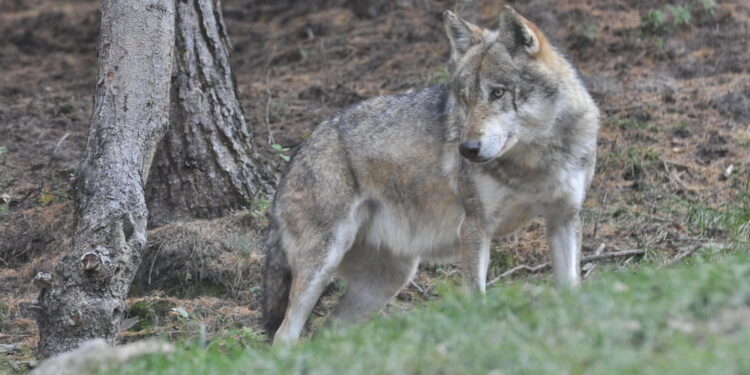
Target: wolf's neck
[451,120]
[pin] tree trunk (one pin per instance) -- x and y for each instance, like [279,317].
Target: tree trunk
[83,298]
[206,164]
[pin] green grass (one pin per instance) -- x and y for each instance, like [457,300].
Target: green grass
[652,320]
[437,77]
[668,19]
[730,219]
[626,124]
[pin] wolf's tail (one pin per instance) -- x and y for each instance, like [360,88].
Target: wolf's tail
[277,280]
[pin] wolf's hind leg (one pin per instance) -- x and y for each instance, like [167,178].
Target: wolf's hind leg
[307,286]
[374,277]
[311,273]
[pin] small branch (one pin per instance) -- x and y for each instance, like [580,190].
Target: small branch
[693,239]
[683,254]
[639,57]
[422,291]
[661,219]
[267,75]
[674,176]
[590,267]
[59,143]
[590,258]
[615,254]
[599,214]
[600,249]
[678,166]
[415,285]
[515,269]
[271,140]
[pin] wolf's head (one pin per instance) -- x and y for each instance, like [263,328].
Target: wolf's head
[506,84]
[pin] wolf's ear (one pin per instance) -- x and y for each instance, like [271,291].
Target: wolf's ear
[462,34]
[520,32]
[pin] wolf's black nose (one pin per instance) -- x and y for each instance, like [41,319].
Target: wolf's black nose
[469,149]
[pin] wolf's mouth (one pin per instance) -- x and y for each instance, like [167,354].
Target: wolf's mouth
[474,154]
[509,143]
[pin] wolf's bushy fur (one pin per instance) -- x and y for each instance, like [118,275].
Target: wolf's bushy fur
[434,175]
[277,278]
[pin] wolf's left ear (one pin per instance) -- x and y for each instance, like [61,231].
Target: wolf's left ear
[520,32]
[462,34]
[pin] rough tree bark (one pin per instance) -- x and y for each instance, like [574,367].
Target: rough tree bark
[206,164]
[83,298]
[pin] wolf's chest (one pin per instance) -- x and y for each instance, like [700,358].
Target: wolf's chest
[503,192]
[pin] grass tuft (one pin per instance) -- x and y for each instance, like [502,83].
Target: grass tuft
[694,318]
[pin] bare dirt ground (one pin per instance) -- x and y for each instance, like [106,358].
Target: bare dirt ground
[674,95]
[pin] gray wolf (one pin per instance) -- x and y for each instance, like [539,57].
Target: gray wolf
[434,175]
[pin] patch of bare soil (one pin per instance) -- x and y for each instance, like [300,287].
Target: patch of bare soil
[675,118]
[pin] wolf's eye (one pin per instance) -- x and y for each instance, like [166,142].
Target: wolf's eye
[497,94]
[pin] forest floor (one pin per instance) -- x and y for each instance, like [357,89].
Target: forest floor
[673,167]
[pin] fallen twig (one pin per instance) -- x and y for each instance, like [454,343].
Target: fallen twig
[615,254]
[599,214]
[684,254]
[519,268]
[639,57]
[590,258]
[267,74]
[590,267]
[415,285]
[515,269]
[59,142]
[694,239]
[600,249]
[268,109]
[661,219]
[674,176]
[678,166]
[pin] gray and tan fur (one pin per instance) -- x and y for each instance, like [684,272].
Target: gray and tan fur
[434,175]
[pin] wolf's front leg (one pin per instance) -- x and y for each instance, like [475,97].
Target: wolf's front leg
[564,238]
[475,253]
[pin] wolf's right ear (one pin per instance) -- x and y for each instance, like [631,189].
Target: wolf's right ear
[462,34]
[520,31]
